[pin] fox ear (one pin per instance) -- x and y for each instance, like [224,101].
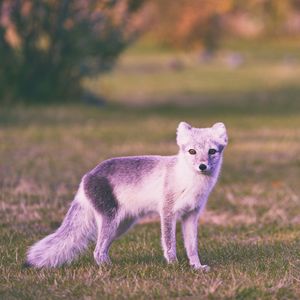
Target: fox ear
[220,131]
[183,131]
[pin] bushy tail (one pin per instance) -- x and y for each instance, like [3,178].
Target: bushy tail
[62,246]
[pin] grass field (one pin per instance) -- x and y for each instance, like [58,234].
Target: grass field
[250,232]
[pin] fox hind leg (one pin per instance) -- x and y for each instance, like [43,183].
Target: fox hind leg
[107,229]
[100,193]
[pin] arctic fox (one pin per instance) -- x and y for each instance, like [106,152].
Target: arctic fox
[118,191]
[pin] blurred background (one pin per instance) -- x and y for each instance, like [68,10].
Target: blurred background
[144,53]
[81,81]
[85,80]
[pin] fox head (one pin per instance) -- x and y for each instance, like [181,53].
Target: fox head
[202,148]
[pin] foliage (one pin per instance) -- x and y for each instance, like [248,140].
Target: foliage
[202,23]
[47,46]
[189,23]
[273,14]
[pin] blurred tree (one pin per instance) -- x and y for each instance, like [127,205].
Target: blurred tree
[47,46]
[201,23]
[189,23]
[271,13]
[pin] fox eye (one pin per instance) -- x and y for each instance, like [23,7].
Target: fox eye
[192,151]
[212,151]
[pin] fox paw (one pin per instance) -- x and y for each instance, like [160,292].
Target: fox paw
[103,260]
[172,260]
[203,268]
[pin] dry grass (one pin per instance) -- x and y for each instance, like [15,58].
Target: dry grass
[249,233]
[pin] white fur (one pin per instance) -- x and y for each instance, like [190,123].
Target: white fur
[144,197]
[65,244]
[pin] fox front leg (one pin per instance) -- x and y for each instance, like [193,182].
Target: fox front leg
[168,237]
[190,231]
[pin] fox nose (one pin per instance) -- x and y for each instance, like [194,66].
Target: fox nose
[202,167]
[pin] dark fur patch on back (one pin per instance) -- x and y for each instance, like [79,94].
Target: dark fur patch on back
[100,192]
[128,170]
